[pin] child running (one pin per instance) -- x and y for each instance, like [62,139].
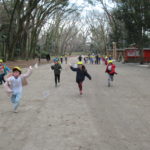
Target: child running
[81,73]
[3,71]
[57,70]
[66,59]
[14,85]
[110,69]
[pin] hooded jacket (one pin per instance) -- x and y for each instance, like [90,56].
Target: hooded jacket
[112,71]
[80,76]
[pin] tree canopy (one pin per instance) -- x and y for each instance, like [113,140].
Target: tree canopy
[29,28]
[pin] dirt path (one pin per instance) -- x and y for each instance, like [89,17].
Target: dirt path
[24,63]
[50,118]
[121,113]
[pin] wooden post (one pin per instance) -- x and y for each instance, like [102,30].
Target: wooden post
[114,50]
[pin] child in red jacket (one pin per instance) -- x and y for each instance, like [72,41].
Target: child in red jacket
[110,69]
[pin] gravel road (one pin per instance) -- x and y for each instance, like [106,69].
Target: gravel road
[103,118]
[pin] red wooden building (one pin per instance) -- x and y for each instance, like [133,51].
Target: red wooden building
[146,54]
[133,55]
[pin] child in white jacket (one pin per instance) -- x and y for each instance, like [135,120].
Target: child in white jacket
[15,83]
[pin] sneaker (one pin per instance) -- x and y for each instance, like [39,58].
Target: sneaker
[15,107]
[108,82]
[15,111]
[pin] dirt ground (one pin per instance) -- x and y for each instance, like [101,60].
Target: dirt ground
[24,63]
[103,118]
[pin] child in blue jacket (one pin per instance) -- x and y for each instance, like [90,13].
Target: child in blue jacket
[3,71]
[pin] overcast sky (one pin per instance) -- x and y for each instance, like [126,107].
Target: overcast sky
[87,7]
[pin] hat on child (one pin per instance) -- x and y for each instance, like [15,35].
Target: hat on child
[17,68]
[80,63]
[56,59]
[1,61]
[110,61]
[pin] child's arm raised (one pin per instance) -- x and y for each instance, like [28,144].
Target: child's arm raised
[28,73]
[73,69]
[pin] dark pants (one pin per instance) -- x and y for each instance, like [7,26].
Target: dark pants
[110,79]
[61,59]
[80,86]
[57,78]
[2,78]
[96,61]
[66,60]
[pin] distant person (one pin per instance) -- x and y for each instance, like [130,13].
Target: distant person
[66,59]
[14,85]
[80,76]
[57,70]
[85,59]
[92,59]
[61,59]
[80,58]
[3,71]
[89,57]
[96,59]
[106,60]
[48,58]
[56,59]
[110,57]
[110,70]
[99,59]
